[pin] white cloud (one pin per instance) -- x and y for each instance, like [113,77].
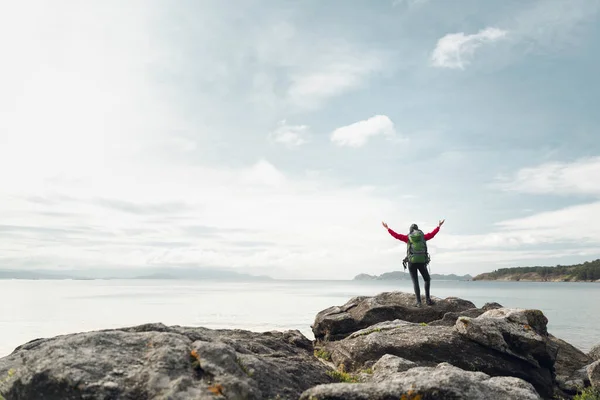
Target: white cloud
[455,50]
[358,133]
[263,173]
[562,178]
[253,218]
[290,135]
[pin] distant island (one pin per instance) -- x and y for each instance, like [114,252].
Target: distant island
[589,271]
[405,276]
[134,273]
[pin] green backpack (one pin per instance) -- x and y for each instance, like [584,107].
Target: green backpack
[416,251]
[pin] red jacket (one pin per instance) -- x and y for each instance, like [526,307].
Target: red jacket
[404,238]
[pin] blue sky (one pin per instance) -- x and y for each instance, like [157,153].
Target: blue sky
[273,137]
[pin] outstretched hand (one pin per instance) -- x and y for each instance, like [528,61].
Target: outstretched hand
[384,225]
[442,222]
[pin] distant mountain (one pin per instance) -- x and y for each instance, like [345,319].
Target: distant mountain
[405,276]
[147,273]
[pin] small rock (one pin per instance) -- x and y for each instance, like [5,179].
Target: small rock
[594,353]
[593,371]
[389,366]
[110,385]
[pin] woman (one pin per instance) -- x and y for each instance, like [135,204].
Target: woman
[417,257]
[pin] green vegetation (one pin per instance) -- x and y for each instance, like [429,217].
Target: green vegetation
[367,332]
[321,353]
[342,376]
[588,393]
[588,271]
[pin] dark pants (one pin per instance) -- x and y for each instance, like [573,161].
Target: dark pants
[422,268]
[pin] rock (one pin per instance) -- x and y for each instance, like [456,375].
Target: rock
[517,332]
[428,346]
[573,383]
[335,323]
[569,359]
[160,362]
[594,353]
[593,371]
[388,366]
[441,382]
[449,319]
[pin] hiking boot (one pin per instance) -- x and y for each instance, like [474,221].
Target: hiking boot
[429,302]
[418,304]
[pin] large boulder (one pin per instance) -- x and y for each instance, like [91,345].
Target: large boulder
[513,348]
[159,362]
[516,332]
[335,323]
[432,383]
[594,353]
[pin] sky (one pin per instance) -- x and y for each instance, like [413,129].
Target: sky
[273,137]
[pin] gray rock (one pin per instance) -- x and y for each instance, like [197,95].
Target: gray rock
[389,366]
[574,382]
[159,362]
[517,332]
[336,323]
[449,319]
[593,371]
[569,360]
[594,353]
[431,345]
[442,382]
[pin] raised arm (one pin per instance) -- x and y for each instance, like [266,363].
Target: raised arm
[398,236]
[434,232]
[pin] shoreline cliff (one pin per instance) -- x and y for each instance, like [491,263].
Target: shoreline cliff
[586,272]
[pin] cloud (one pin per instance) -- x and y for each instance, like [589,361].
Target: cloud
[579,177]
[263,173]
[456,49]
[337,70]
[309,222]
[358,133]
[290,135]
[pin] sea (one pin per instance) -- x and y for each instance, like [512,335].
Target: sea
[31,309]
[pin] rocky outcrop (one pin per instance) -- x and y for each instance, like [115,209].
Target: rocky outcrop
[430,345]
[393,350]
[594,353]
[159,362]
[433,383]
[338,322]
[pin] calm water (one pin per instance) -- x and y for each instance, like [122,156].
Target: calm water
[34,309]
